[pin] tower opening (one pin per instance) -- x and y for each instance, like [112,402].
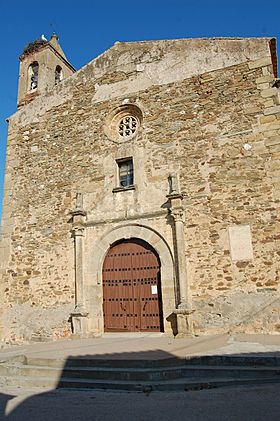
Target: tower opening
[33,72]
[58,75]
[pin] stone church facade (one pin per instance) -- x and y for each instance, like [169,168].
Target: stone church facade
[142,192]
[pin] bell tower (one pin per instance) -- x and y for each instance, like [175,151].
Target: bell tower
[43,65]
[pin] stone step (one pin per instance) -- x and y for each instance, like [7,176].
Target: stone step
[167,374]
[217,360]
[144,386]
[170,385]
[239,360]
[101,362]
[138,374]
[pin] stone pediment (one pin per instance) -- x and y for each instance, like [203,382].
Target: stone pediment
[134,66]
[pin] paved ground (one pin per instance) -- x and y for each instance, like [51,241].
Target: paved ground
[229,404]
[149,346]
[251,403]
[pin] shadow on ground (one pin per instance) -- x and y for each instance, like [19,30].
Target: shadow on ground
[255,402]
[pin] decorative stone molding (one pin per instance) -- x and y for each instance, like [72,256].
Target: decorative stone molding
[135,231]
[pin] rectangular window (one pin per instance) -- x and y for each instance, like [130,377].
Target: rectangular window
[125,172]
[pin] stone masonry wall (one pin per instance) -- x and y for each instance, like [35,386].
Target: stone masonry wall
[196,127]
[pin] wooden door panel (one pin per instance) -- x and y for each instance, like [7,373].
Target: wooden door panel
[131,288]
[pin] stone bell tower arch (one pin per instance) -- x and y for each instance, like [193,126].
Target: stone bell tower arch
[43,64]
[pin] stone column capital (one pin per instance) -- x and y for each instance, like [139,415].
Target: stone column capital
[78,212]
[78,231]
[176,208]
[178,214]
[175,198]
[183,309]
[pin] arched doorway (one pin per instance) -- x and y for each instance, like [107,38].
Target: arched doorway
[131,288]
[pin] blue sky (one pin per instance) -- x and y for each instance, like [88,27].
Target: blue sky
[87,28]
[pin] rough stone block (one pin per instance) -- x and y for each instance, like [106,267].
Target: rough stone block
[274,148]
[266,93]
[267,119]
[263,86]
[275,140]
[262,62]
[268,103]
[252,110]
[264,79]
[272,110]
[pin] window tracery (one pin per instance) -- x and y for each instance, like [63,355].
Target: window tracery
[127,126]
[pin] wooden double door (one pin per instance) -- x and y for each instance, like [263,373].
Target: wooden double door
[131,288]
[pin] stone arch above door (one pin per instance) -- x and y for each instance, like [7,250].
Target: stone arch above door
[143,233]
[93,275]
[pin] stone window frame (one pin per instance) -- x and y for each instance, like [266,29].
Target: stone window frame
[121,162]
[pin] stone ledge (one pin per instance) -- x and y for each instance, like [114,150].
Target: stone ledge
[267,119]
[119,189]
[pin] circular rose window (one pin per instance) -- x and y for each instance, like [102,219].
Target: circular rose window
[123,123]
[127,126]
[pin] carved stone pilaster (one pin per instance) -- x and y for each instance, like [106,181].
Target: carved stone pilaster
[184,308]
[79,314]
[178,214]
